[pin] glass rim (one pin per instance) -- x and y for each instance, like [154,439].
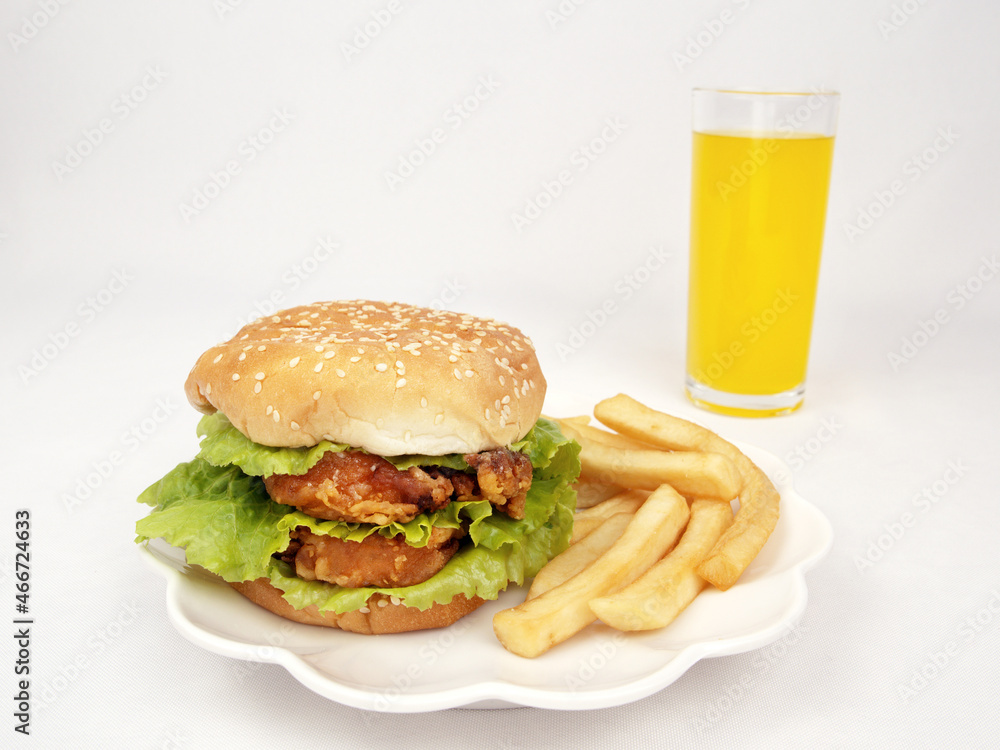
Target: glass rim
[763,92]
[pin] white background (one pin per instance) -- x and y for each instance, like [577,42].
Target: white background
[111,288]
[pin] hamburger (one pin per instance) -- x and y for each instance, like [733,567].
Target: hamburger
[374,467]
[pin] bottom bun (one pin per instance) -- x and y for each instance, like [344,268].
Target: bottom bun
[382,616]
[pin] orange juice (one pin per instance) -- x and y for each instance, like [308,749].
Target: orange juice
[758,204]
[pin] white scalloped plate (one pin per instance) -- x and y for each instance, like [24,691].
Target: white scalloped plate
[465,666]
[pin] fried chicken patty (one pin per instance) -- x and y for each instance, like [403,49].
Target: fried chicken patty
[374,561]
[358,487]
[504,478]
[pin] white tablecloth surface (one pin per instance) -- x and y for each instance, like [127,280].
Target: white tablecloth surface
[170,169]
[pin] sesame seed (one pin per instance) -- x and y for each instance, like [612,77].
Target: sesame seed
[276,415]
[260,376]
[316,395]
[355,359]
[487,414]
[423,402]
[236,376]
[401,382]
[208,389]
[364,610]
[329,355]
[458,374]
[269,409]
[383,603]
[452,358]
[256,387]
[318,367]
[340,373]
[243,355]
[469,373]
[381,367]
[218,358]
[394,599]
[319,348]
[293,361]
[294,425]
[505,400]
[261,348]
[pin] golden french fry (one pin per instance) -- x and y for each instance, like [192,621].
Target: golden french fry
[533,627]
[586,521]
[583,419]
[584,433]
[589,494]
[583,528]
[691,473]
[580,554]
[741,542]
[759,500]
[627,501]
[658,596]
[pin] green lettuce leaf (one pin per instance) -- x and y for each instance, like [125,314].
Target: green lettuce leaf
[449,461]
[227,523]
[223,518]
[417,532]
[222,444]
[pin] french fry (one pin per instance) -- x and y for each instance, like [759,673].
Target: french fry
[584,527]
[589,494]
[658,596]
[741,542]
[759,500]
[605,462]
[582,419]
[691,473]
[580,554]
[585,521]
[584,433]
[535,626]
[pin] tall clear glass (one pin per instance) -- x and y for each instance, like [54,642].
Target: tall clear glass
[759,184]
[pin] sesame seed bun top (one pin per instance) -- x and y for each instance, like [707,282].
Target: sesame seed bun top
[389,378]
